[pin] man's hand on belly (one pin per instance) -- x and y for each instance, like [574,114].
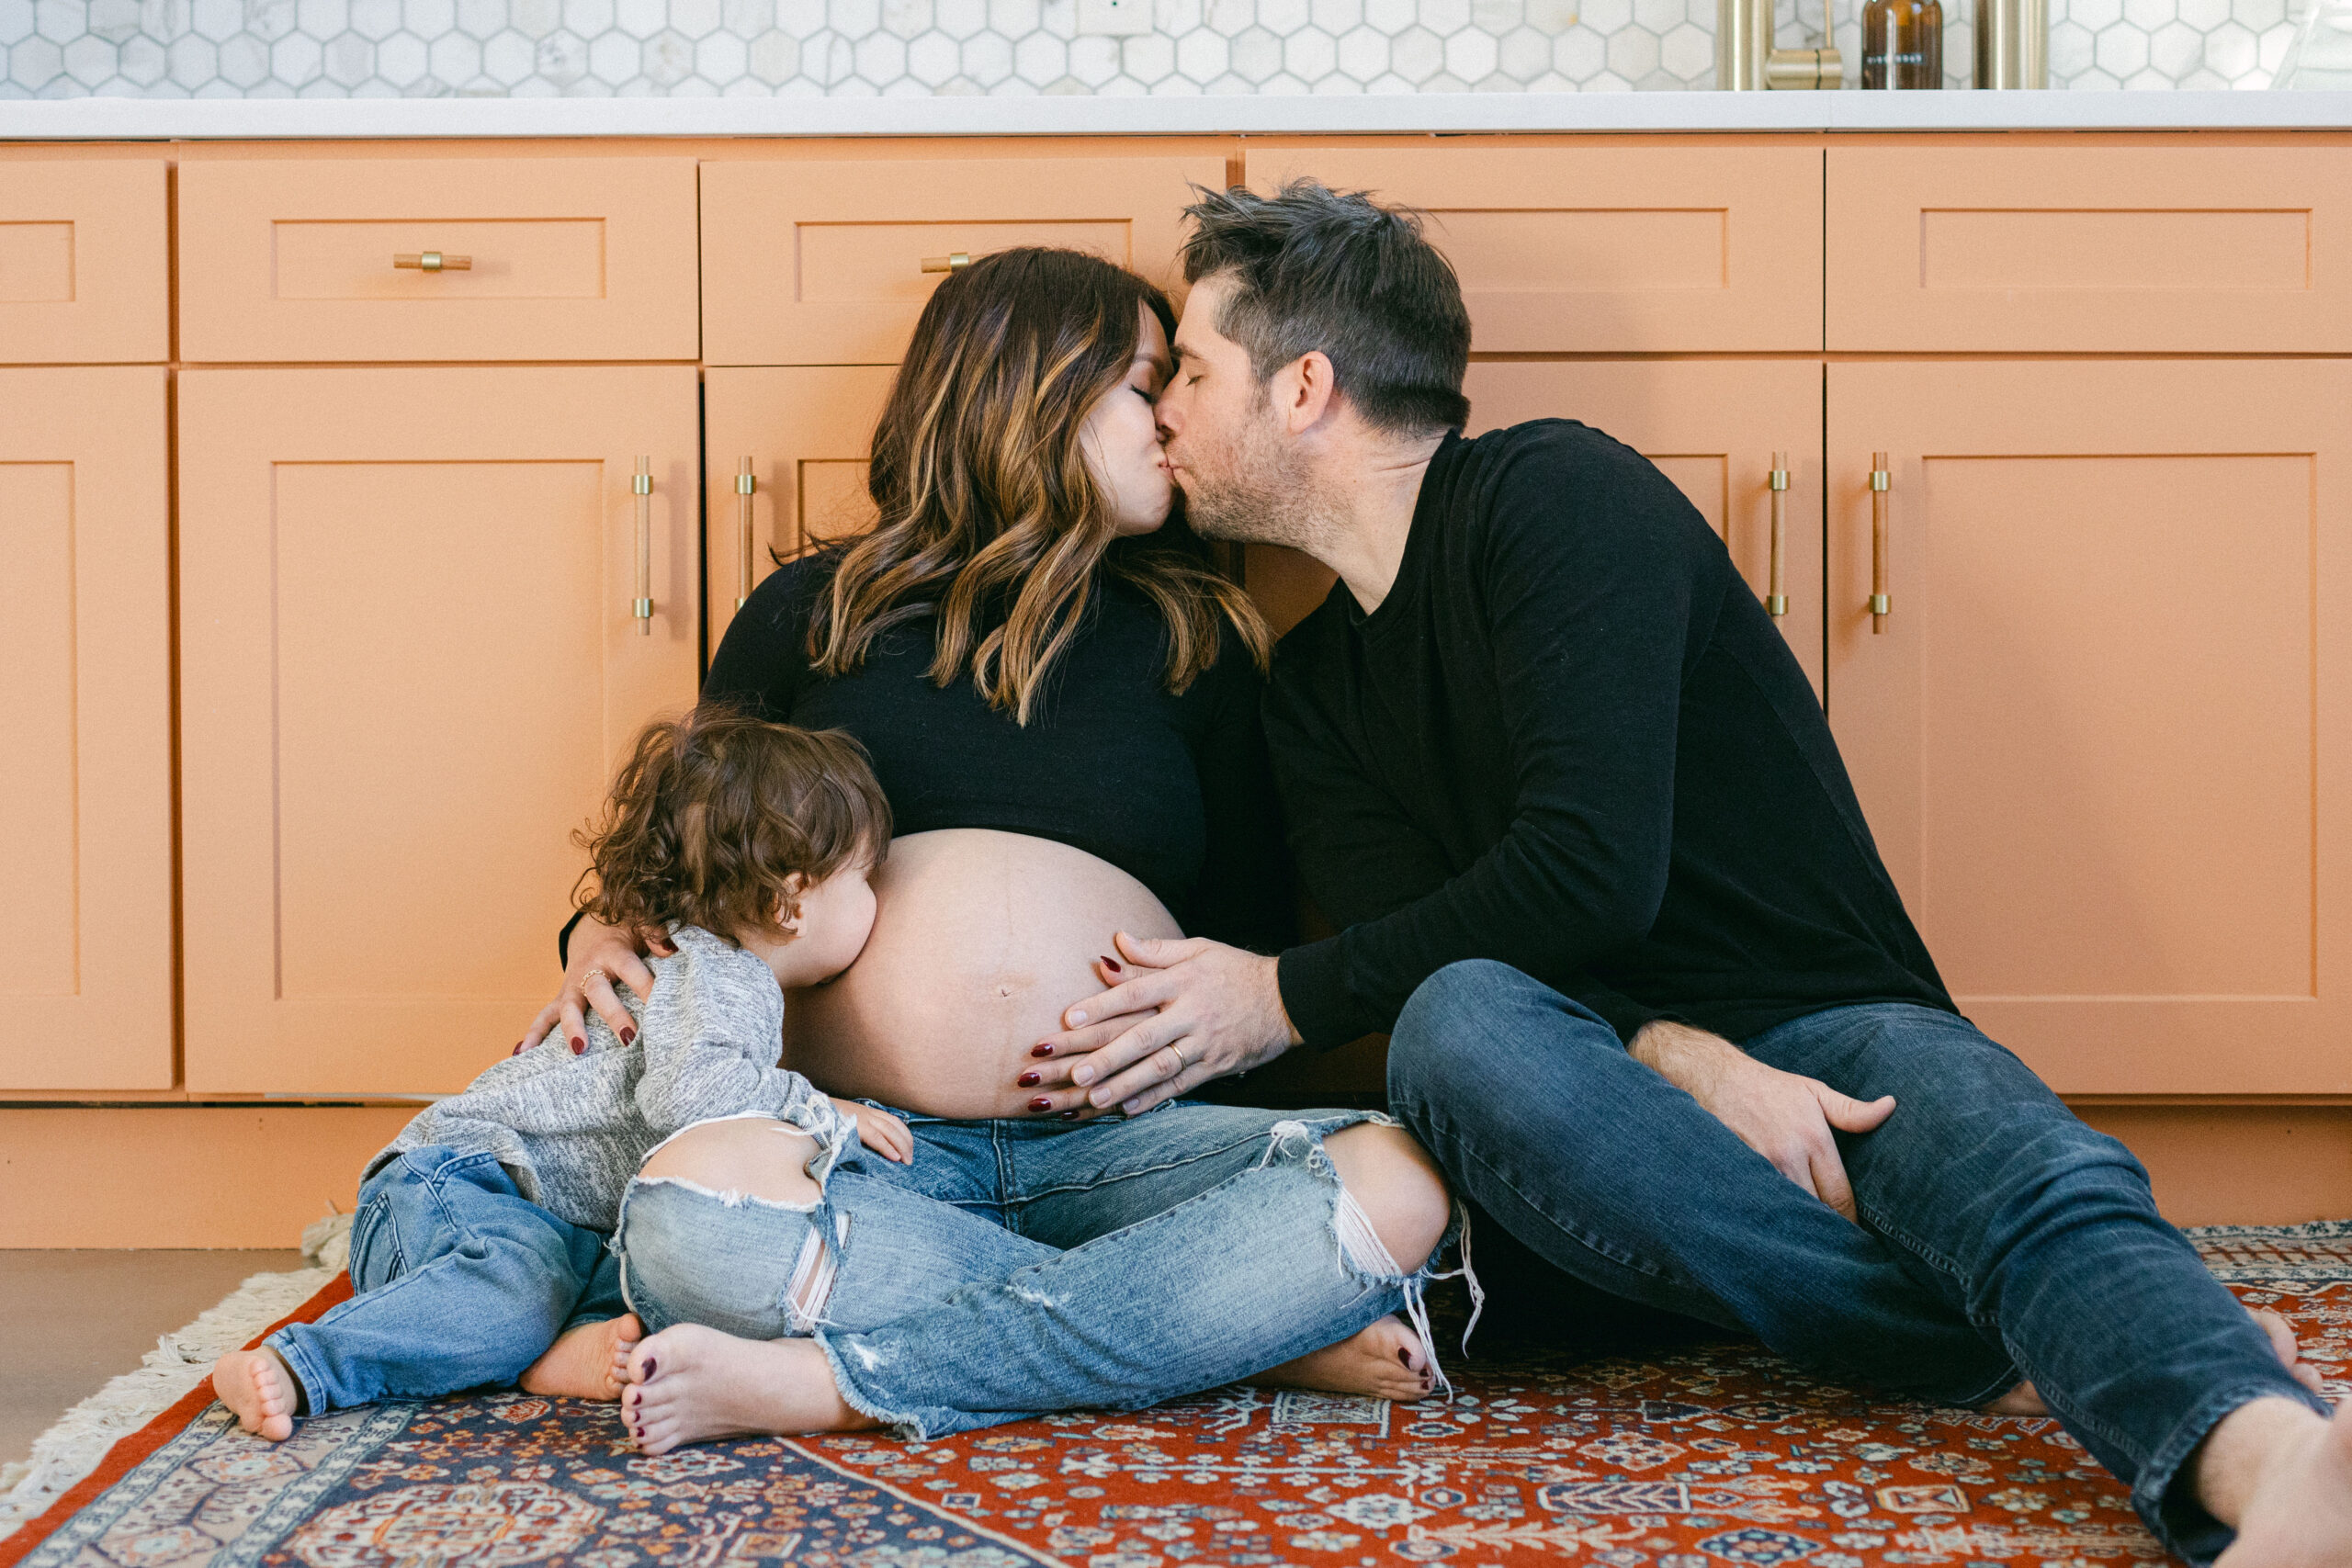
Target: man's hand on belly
[1213,1010]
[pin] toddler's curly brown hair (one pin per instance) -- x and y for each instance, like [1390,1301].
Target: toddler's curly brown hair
[714,812]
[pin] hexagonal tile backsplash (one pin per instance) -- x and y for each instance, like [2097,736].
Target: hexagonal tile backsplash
[261,49]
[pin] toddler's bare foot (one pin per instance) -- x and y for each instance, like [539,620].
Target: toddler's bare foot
[689,1384]
[2026,1400]
[1383,1361]
[586,1362]
[256,1385]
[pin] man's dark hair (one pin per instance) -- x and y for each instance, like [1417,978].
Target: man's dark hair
[1315,268]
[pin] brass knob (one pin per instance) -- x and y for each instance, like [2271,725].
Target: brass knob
[954,261]
[433,261]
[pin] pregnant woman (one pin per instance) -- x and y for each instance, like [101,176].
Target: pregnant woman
[1060,698]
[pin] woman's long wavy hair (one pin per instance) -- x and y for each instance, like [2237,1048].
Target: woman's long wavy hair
[992,524]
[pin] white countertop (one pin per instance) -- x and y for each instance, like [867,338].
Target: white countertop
[164,119]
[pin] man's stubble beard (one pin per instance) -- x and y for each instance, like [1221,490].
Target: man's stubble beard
[1262,494]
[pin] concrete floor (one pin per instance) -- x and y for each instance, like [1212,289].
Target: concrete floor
[93,1314]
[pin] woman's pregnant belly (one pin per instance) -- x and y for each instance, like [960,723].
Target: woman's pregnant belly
[980,940]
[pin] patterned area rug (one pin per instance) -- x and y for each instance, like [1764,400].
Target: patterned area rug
[1710,1455]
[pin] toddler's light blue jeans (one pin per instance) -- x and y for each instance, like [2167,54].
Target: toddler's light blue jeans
[462,1282]
[1020,1267]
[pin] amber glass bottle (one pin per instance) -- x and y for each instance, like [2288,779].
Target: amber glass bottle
[1903,44]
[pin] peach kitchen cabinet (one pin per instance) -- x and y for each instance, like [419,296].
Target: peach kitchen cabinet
[84,261]
[1712,426]
[2165,248]
[411,653]
[2104,739]
[786,451]
[1606,246]
[85,796]
[829,262]
[443,259]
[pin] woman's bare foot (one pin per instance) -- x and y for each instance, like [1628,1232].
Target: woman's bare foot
[586,1362]
[689,1384]
[2296,1513]
[1383,1361]
[256,1385]
[2026,1400]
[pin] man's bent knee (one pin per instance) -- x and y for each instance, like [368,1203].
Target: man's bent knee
[1397,1187]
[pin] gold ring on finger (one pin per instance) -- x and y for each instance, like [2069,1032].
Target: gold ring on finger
[1180,1062]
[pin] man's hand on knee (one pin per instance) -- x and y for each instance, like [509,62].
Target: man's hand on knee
[1786,1118]
[1212,1010]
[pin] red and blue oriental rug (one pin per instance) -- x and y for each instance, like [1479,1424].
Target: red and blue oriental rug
[1713,1455]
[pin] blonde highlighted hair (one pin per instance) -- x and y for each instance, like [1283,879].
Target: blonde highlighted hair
[991,525]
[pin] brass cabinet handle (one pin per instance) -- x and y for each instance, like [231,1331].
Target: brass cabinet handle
[1776,601]
[642,608]
[954,261]
[744,485]
[433,261]
[1882,480]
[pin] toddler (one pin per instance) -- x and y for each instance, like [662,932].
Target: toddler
[478,1251]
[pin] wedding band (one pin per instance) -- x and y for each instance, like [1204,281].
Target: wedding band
[1180,1062]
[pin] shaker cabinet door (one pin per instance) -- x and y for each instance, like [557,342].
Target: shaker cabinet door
[800,434]
[85,263]
[85,792]
[411,656]
[2103,733]
[1711,426]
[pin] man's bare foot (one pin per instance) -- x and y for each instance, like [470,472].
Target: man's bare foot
[1383,1360]
[257,1386]
[2283,1477]
[586,1362]
[2026,1400]
[689,1384]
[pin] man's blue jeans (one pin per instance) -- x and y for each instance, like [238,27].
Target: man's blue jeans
[462,1282]
[2000,1237]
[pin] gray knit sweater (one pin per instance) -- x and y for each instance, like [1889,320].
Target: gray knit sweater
[573,1130]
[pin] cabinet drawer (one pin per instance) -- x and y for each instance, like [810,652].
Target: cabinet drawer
[1606,249]
[567,258]
[84,263]
[2080,249]
[821,263]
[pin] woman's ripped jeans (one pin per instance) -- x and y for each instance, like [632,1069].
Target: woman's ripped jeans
[1017,1267]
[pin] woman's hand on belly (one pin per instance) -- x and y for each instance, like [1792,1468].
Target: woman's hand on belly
[1191,1010]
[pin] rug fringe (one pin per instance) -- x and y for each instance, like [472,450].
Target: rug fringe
[180,1361]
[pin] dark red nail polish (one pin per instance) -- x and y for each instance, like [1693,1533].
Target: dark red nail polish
[1042,1049]
[1069,1115]
[652,1366]
[1040,1104]
[1029,1081]
[628,1036]
[518,1049]
[578,1044]
[1406,1357]
[1112,964]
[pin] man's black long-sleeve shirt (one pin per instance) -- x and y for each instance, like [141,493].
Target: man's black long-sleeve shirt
[1571,740]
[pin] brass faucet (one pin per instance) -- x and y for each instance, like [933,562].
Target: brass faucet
[1746,59]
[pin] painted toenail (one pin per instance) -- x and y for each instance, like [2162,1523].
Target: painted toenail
[652,1366]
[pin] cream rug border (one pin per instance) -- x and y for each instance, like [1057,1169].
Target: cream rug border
[181,1360]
